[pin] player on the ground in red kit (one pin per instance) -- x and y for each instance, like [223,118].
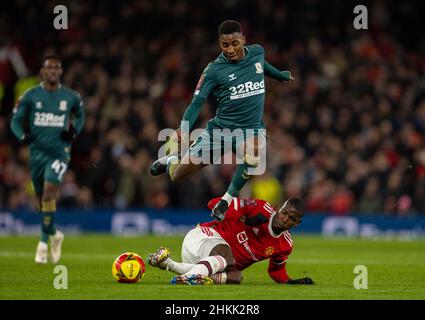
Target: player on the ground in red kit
[217,251]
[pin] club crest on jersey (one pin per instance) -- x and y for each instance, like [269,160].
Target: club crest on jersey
[242,237]
[269,251]
[259,67]
[232,77]
[38,105]
[62,105]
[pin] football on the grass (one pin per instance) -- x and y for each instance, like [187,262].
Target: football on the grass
[128,267]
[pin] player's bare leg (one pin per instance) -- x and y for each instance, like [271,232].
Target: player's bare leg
[48,209]
[184,170]
[230,275]
[206,267]
[47,201]
[177,170]
[224,251]
[188,273]
[193,274]
[227,277]
[42,247]
[162,165]
[161,259]
[253,146]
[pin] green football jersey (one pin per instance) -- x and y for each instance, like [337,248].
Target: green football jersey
[239,88]
[48,113]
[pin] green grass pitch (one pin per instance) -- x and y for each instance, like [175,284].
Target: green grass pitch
[396,270]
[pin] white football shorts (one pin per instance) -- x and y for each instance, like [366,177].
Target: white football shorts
[199,242]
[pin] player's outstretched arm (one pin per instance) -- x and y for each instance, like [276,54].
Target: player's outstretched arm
[19,114]
[80,117]
[277,270]
[192,111]
[203,89]
[274,73]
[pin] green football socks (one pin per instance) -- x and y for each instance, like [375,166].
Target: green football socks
[240,177]
[48,210]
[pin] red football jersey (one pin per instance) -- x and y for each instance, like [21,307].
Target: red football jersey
[247,229]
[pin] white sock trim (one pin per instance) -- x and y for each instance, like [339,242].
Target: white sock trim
[219,278]
[172,160]
[227,197]
[178,267]
[209,266]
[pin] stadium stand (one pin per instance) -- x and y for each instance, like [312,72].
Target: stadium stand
[347,136]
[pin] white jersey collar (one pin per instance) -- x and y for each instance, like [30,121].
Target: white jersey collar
[271,229]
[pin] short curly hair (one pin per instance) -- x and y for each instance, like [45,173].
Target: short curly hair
[229,27]
[294,205]
[51,56]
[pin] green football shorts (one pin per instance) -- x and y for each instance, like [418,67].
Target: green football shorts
[209,148]
[47,169]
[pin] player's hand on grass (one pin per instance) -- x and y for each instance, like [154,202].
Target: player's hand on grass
[305,280]
[27,139]
[68,135]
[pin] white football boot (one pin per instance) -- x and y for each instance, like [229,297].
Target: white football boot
[41,252]
[56,246]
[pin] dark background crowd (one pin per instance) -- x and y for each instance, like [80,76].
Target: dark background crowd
[347,136]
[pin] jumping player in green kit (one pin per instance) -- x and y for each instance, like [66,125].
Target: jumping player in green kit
[236,77]
[54,116]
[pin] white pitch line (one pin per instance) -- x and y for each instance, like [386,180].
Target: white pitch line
[367,261]
[81,256]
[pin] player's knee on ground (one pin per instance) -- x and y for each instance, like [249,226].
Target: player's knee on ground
[234,277]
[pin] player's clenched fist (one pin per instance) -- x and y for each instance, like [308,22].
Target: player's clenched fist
[68,135]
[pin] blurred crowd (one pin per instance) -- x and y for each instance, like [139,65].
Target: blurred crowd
[348,136]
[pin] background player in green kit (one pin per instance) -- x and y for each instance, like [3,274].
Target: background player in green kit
[237,79]
[48,118]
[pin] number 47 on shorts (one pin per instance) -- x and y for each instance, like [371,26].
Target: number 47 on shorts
[59,168]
